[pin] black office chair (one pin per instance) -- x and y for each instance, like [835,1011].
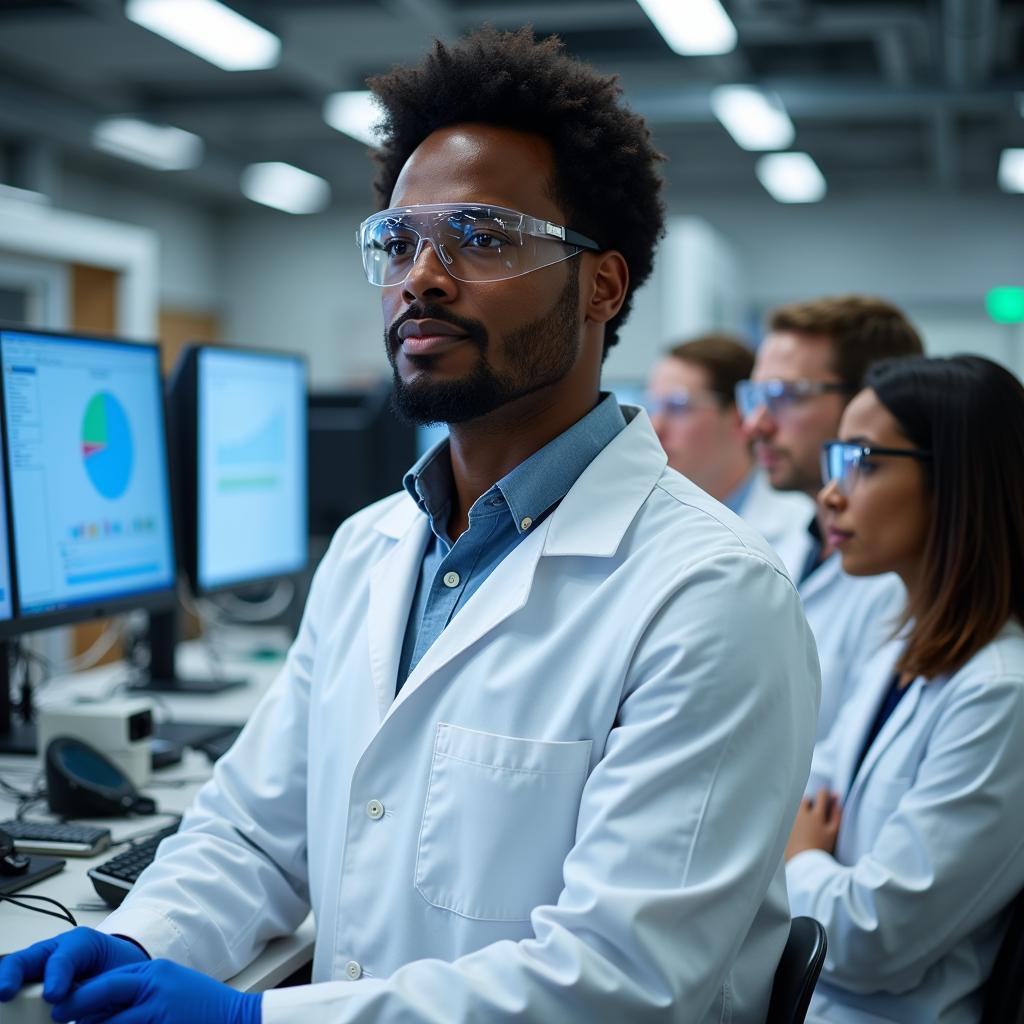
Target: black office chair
[1004,991]
[798,971]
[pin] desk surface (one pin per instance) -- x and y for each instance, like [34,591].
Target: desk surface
[172,788]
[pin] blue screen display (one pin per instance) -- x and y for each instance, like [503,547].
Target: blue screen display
[253,522]
[87,454]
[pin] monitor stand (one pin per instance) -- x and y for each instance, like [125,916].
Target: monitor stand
[16,737]
[163,638]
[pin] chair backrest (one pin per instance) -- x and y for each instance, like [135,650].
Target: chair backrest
[1004,991]
[798,971]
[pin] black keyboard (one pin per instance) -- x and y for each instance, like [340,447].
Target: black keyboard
[53,837]
[194,734]
[113,878]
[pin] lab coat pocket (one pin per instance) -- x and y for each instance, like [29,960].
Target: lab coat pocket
[498,820]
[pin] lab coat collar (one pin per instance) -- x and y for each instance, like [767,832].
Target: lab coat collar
[595,514]
[590,521]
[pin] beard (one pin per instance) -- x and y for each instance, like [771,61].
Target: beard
[538,354]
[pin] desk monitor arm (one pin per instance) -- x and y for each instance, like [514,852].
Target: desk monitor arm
[16,737]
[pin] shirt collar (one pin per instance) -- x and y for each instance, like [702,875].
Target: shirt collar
[536,484]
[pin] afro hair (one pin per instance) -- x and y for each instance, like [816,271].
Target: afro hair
[606,169]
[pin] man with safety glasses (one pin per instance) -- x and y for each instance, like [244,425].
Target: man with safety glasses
[691,401]
[537,749]
[811,363]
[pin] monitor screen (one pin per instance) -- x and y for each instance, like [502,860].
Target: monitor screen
[6,598]
[250,466]
[87,459]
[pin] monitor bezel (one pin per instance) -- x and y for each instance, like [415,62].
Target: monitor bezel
[183,387]
[152,600]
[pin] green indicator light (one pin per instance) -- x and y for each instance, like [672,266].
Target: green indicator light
[1006,305]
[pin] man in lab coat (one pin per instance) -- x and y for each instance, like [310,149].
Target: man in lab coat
[810,364]
[538,746]
[691,398]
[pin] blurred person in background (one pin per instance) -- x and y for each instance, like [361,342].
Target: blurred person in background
[692,405]
[810,364]
[908,846]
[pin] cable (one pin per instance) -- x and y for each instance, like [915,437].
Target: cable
[276,602]
[65,916]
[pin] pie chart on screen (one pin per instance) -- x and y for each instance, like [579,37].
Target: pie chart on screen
[107,445]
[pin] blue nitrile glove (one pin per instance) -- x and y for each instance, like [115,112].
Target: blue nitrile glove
[72,956]
[158,992]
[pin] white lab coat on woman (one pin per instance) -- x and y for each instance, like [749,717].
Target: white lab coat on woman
[781,517]
[576,807]
[930,850]
[852,618]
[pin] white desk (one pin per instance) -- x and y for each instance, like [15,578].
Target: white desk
[172,788]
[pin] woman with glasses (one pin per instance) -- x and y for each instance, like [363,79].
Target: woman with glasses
[908,846]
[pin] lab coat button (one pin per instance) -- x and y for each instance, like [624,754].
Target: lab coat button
[353,970]
[452,579]
[375,810]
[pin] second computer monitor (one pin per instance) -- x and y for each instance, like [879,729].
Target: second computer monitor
[238,419]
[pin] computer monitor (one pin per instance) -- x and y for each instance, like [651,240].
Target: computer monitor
[86,490]
[238,427]
[359,450]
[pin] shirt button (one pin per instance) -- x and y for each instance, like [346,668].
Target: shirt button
[375,810]
[353,970]
[526,523]
[452,579]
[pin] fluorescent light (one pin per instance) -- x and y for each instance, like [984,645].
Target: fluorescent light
[285,188]
[1011,170]
[155,145]
[210,30]
[353,113]
[692,27]
[791,177]
[755,119]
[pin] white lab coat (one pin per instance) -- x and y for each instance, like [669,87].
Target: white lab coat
[852,618]
[930,850]
[781,517]
[576,807]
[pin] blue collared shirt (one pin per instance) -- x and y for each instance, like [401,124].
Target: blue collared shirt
[499,519]
[735,501]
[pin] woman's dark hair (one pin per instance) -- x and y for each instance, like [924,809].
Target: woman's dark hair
[969,413]
[606,176]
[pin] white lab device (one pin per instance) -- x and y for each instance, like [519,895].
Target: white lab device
[120,729]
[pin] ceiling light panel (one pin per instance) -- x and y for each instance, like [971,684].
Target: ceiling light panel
[692,28]
[160,146]
[791,178]
[1011,170]
[285,187]
[353,113]
[210,30]
[756,120]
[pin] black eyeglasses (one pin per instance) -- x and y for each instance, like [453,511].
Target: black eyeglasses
[843,461]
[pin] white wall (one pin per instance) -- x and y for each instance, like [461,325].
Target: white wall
[935,258]
[190,238]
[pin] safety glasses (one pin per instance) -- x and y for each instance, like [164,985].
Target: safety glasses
[475,243]
[778,396]
[680,403]
[843,462]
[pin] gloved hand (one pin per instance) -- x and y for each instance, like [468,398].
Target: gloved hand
[61,961]
[158,992]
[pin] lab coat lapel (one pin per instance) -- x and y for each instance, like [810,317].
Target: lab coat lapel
[858,714]
[901,714]
[503,593]
[392,585]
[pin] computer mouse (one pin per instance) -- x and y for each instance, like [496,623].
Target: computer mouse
[11,862]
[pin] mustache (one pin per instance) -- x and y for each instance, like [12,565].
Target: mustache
[473,329]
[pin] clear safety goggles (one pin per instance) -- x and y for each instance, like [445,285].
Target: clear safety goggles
[475,243]
[842,462]
[778,396]
[680,403]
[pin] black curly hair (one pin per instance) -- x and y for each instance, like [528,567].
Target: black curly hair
[606,176]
